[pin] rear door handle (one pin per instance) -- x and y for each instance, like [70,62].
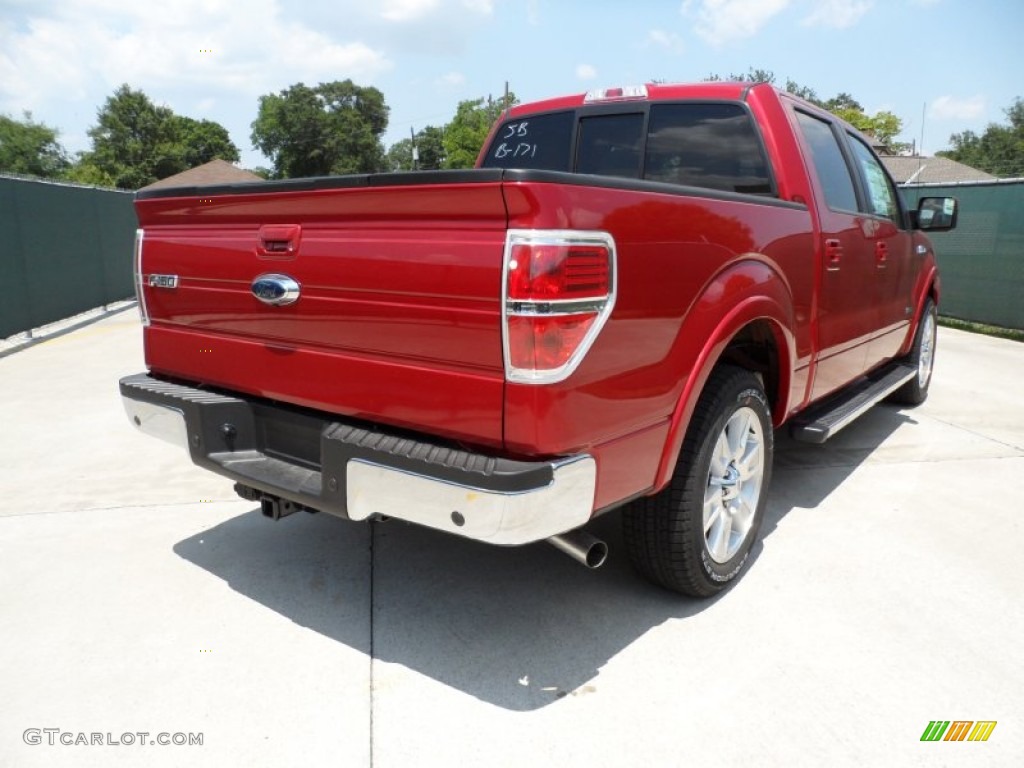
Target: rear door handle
[833,255]
[881,254]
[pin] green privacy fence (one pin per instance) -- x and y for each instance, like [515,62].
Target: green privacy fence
[66,249]
[982,260]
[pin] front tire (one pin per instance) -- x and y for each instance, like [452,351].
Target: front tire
[922,358]
[695,536]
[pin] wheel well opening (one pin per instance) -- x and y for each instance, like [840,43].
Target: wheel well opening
[754,348]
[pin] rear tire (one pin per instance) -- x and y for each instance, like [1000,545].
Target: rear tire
[695,536]
[922,358]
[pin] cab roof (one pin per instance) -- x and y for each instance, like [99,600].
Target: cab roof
[724,91]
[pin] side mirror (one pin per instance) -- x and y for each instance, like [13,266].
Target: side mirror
[936,214]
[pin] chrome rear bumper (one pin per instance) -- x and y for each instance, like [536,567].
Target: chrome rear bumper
[357,471]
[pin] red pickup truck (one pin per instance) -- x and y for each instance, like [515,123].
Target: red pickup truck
[614,309]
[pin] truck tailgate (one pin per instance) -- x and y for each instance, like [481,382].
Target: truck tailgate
[398,313]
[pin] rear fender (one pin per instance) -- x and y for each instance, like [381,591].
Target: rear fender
[752,291]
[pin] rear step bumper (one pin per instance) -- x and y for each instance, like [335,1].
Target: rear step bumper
[354,472]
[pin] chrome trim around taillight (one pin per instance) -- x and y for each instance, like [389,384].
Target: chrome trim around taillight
[140,294]
[602,305]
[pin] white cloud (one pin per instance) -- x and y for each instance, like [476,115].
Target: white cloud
[484,7]
[407,10]
[452,79]
[723,21]
[586,72]
[838,14]
[669,41]
[203,45]
[62,58]
[952,108]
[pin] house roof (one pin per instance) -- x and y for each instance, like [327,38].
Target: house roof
[214,172]
[932,170]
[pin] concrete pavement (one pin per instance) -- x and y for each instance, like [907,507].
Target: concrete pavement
[140,595]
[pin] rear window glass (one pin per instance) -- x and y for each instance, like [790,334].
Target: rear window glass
[714,146]
[541,142]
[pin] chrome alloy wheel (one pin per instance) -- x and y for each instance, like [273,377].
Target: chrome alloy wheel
[926,359]
[734,484]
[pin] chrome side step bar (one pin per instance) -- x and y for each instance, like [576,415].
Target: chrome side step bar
[825,420]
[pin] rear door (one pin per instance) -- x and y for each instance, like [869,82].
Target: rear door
[885,228]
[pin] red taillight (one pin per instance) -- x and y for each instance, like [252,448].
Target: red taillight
[559,290]
[546,342]
[558,272]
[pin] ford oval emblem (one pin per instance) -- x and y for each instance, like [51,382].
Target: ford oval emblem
[275,289]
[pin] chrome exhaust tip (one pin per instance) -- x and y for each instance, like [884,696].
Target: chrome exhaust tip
[582,547]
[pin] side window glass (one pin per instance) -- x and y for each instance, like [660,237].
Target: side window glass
[881,195]
[609,145]
[829,163]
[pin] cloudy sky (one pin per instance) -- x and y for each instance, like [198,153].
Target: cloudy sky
[940,65]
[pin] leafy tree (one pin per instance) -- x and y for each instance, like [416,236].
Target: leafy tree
[136,142]
[399,157]
[132,139]
[999,150]
[86,172]
[334,128]
[466,133]
[30,148]
[752,76]
[429,145]
[200,141]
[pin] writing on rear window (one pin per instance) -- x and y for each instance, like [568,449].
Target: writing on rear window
[540,143]
[515,142]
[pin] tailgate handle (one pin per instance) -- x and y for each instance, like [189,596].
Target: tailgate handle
[279,241]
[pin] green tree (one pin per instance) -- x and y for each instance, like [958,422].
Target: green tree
[132,140]
[85,171]
[466,133]
[429,151]
[399,157]
[999,150]
[30,148]
[201,141]
[334,128]
[135,142]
